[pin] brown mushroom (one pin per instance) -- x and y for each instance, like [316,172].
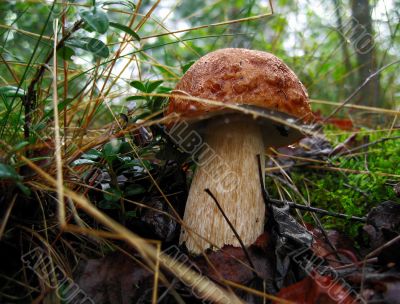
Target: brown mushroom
[227,160]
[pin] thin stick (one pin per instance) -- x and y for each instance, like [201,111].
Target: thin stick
[359,89]
[60,182]
[278,203]
[156,274]
[351,171]
[358,107]
[233,230]
[4,220]
[381,140]
[373,254]
[316,210]
[65,68]
[379,249]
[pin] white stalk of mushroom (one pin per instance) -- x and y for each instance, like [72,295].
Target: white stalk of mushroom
[232,175]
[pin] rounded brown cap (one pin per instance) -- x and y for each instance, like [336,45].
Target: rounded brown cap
[241,77]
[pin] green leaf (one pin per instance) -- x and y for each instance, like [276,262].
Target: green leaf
[157,103]
[129,164]
[112,148]
[66,53]
[130,214]
[97,47]
[8,172]
[78,43]
[92,154]
[138,85]
[82,161]
[163,89]
[88,28]
[25,190]
[126,29]
[19,146]
[96,19]
[104,204]
[130,98]
[11,91]
[134,190]
[152,85]
[39,158]
[186,66]
[126,148]
[130,4]
[112,195]
[92,45]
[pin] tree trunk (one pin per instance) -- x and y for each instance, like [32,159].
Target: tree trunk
[346,84]
[363,42]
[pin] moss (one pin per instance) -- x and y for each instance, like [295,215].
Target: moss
[349,193]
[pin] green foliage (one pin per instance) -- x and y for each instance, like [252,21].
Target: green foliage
[96,20]
[116,158]
[127,3]
[148,104]
[349,193]
[95,46]
[8,173]
[10,91]
[126,29]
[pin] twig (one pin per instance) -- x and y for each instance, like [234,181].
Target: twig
[57,139]
[373,254]
[381,140]
[65,70]
[351,171]
[357,264]
[29,99]
[60,44]
[359,89]
[312,209]
[261,174]
[379,249]
[6,216]
[316,210]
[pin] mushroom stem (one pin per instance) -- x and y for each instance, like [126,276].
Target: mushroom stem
[229,168]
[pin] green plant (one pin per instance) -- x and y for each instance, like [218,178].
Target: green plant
[344,190]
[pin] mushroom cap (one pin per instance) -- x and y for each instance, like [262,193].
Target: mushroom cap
[252,80]
[241,77]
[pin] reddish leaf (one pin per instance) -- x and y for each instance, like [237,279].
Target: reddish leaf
[231,263]
[317,289]
[344,124]
[321,248]
[341,123]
